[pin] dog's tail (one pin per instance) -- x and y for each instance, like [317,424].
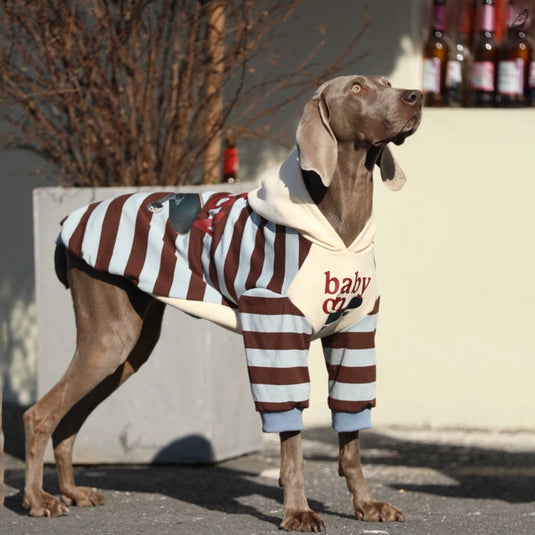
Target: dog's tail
[60,263]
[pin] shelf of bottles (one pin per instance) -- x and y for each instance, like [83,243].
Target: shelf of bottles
[479,53]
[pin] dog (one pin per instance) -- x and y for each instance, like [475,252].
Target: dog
[289,262]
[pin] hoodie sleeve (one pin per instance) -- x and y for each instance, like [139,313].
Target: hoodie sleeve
[350,359]
[277,339]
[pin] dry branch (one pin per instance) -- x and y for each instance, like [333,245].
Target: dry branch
[138,92]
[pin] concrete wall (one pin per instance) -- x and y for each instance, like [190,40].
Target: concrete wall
[180,404]
[18,328]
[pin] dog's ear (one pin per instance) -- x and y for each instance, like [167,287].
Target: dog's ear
[316,142]
[393,176]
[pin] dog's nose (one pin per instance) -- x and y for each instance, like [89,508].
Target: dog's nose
[412,97]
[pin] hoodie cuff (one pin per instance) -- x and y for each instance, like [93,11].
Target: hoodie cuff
[279,422]
[346,422]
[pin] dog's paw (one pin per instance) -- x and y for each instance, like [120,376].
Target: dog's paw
[378,512]
[82,497]
[302,521]
[44,504]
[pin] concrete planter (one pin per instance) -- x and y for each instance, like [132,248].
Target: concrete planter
[190,402]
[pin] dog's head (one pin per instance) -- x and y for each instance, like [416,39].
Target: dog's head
[364,110]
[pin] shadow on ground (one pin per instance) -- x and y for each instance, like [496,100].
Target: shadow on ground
[484,473]
[481,473]
[213,487]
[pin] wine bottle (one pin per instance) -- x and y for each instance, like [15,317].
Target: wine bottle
[230,162]
[460,59]
[514,63]
[483,79]
[436,52]
[531,83]
[531,74]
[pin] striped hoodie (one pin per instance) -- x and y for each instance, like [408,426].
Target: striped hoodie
[266,264]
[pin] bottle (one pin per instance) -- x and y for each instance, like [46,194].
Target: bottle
[1,459]
[531,83]
[230,162]
[531,75]
[483,78]
[515,56]
[436,52]
[460,59]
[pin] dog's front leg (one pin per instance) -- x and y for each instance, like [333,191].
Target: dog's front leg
[297,515]
[366,506]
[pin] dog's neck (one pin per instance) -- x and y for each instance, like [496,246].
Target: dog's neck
[347,202]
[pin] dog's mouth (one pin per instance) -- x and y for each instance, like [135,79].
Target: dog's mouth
[408,129]
[411,125]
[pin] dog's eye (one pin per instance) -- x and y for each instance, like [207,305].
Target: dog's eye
[356,88]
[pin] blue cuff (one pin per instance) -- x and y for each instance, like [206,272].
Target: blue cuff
[346,422]
[279,422]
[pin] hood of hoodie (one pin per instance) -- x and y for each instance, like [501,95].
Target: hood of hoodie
[283,198]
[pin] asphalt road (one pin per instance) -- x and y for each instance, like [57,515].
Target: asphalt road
[445,483]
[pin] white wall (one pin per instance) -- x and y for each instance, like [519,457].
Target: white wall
[18,328]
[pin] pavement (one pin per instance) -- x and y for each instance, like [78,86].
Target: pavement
[445,482]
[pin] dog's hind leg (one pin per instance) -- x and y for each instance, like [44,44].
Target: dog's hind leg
[109,319]
[65,434]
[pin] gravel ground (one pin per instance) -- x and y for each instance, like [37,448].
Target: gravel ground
[444,481]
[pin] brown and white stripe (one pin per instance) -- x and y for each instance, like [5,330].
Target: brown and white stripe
[277,337]
[351,364]
[234,257]
[228,250]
